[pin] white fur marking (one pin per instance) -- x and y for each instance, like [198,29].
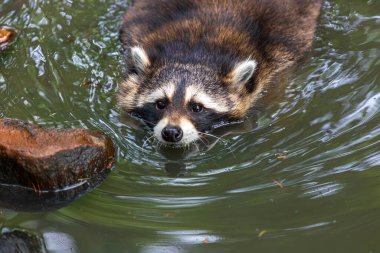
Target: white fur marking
[140,58]
[169,90]
[159,127]
[152,97]
[244,71]
[196,94]
[163,92]
[190,133]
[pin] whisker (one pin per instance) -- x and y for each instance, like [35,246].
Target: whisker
[220,139]
[147,121]
[204,140]
[149,138]
[214,136]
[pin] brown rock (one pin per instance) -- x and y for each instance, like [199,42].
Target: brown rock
[6,35]
[51,159]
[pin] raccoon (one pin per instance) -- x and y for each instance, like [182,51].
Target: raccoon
[194,65]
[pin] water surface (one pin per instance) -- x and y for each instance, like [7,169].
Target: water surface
[302,177]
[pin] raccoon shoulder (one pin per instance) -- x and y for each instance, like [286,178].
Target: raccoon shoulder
[277,32]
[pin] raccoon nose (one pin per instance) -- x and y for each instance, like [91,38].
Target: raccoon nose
[172,134]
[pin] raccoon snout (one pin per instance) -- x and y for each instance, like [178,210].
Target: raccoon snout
[172,134]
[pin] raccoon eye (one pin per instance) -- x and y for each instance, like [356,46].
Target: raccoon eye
[160,105]
[196,107]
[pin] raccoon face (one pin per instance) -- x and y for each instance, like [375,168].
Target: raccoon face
[179,101]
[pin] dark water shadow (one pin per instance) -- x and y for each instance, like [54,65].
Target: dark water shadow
[24,199]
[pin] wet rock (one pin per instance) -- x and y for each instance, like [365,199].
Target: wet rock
[21,242]
[7,34]
[51,159]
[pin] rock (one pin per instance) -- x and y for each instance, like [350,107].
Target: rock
[6,36]
[51,159]
[20,241]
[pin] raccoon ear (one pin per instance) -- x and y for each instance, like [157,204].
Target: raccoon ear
[140,60]
[243,72]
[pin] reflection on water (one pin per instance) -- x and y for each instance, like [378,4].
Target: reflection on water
[60,242]
[301,177]
[25,199]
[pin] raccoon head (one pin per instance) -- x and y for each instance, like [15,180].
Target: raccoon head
[181,101]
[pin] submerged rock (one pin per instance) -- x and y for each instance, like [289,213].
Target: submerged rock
[51,159]
[20,241]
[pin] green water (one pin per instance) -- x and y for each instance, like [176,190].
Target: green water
[304,178]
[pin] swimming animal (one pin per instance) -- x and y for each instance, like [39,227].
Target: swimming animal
[194,65]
